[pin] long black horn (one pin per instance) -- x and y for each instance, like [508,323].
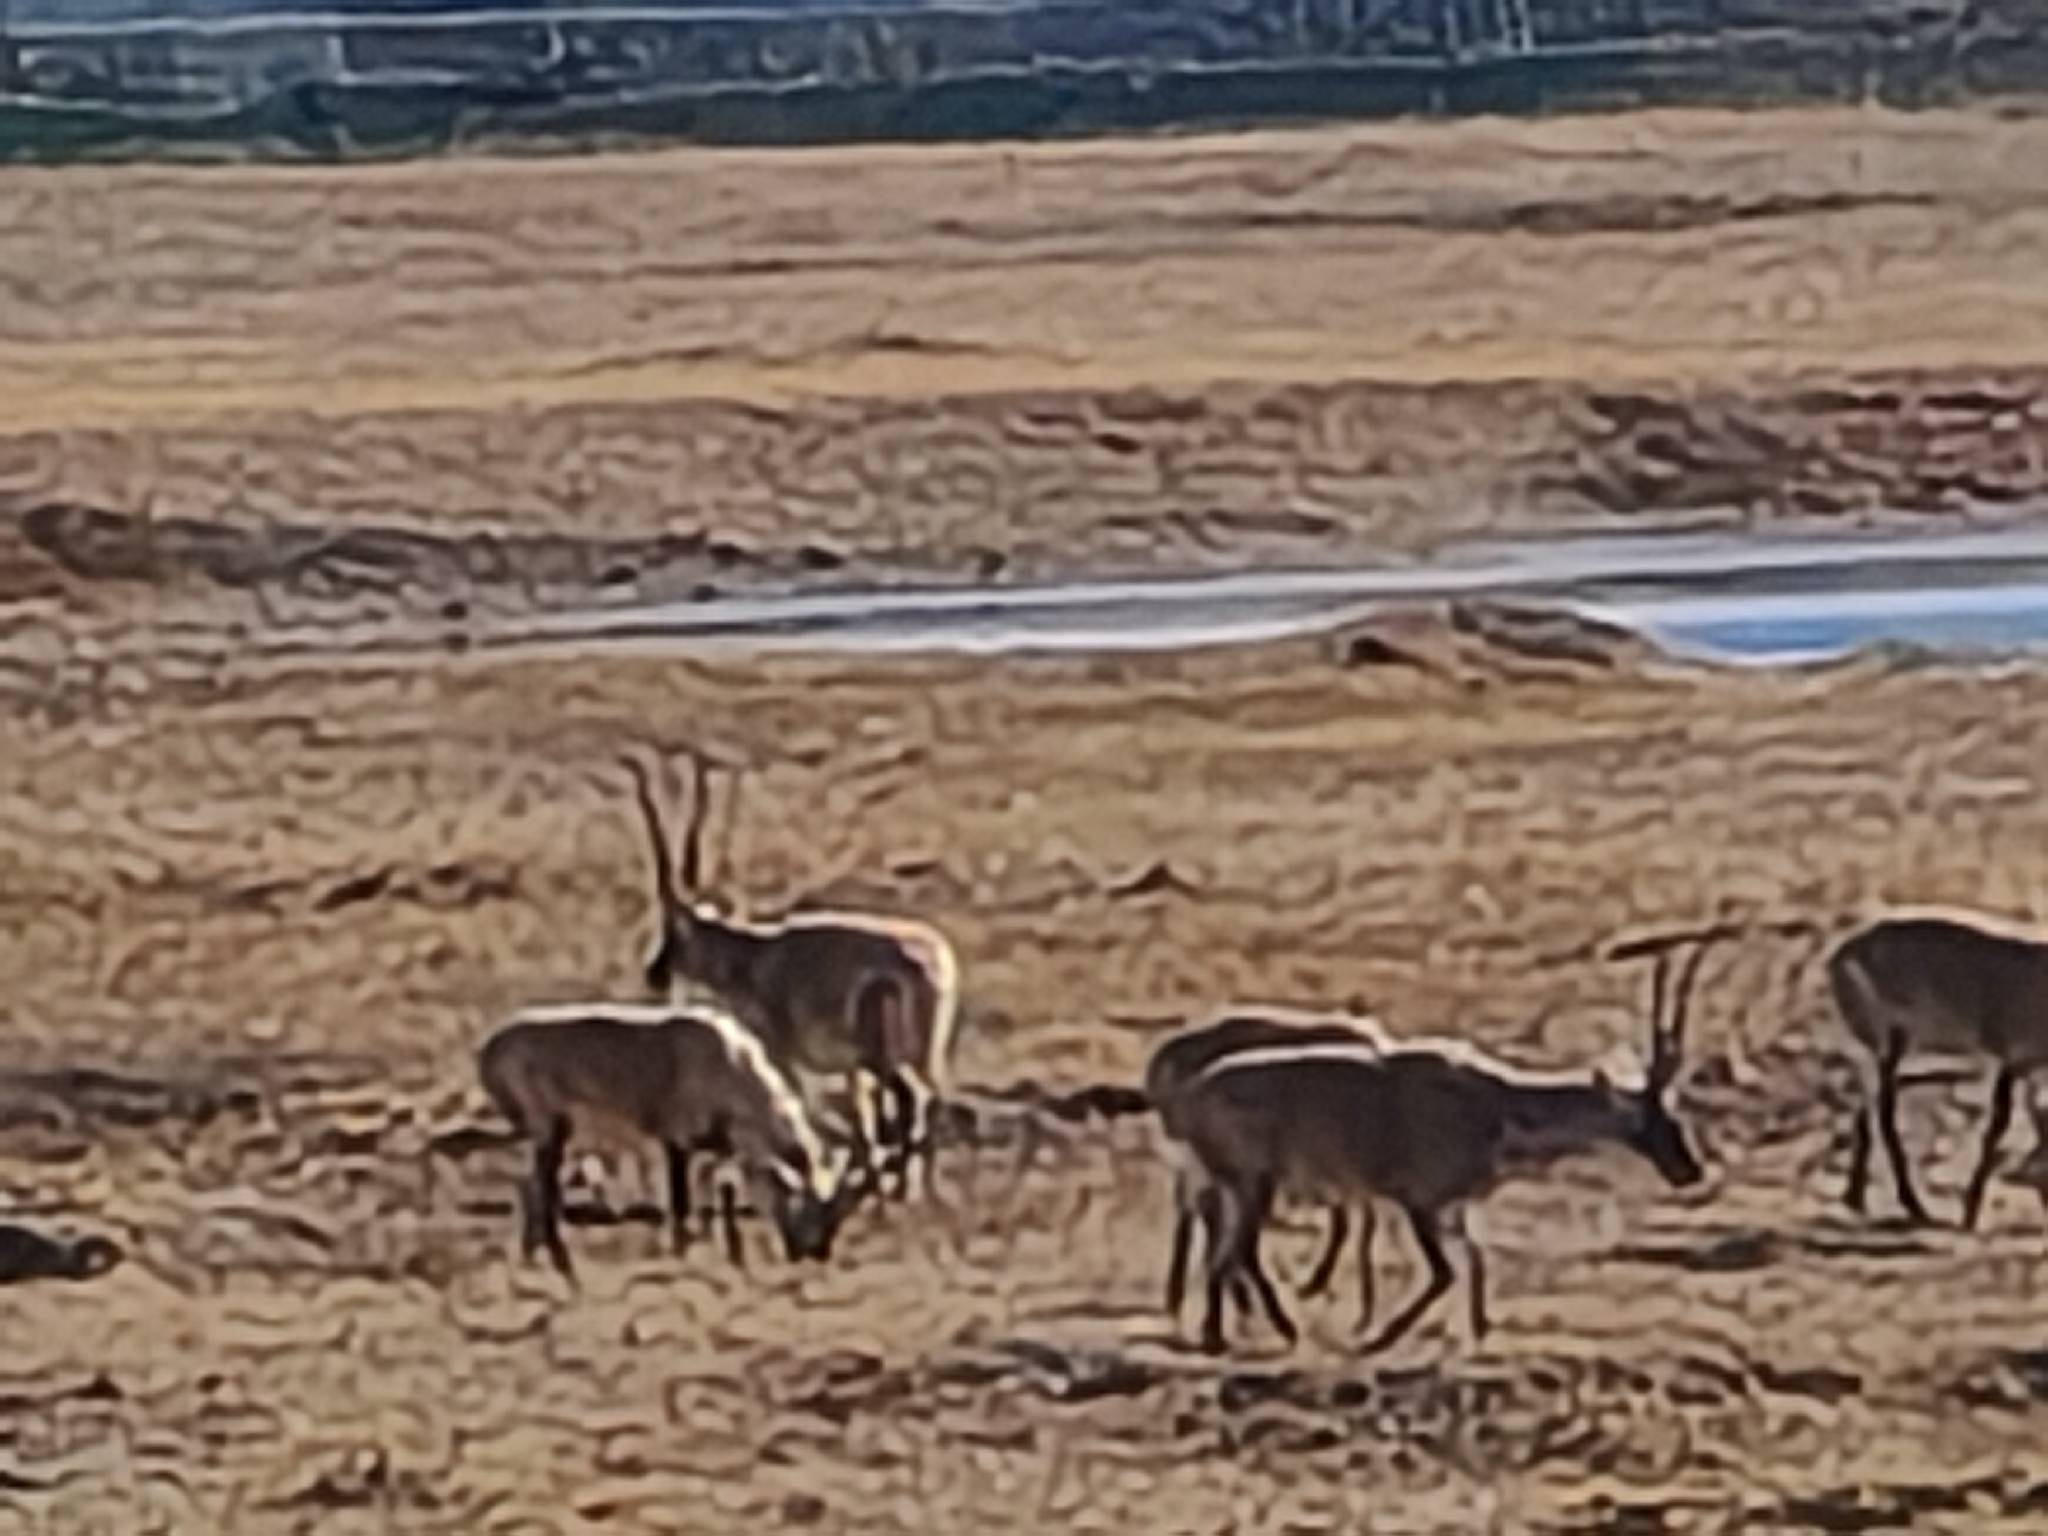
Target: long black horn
[691,843]
[657,835]
[1682,1004]
[1661,1066]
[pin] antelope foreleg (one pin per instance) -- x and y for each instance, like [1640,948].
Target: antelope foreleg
[1888,1124]
[1368,1220]
[547,1194]
[1856,1193]
[1996,1122]
[729,1218]
[1430,1242]
[904,1140]
[867,1121]
[1183,1240]
[678,1195]
[919,1100]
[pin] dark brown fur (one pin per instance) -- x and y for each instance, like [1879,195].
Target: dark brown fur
[1954,984]
[1184,1057]
[1429,1128]
[1429,1124]
[854,993]
[692,1081]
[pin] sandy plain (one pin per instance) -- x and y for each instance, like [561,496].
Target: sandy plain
[259,911]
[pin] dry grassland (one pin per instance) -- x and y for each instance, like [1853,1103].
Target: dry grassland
[283,915]
[257,915]
[795,367]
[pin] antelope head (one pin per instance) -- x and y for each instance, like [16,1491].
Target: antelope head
[810,1211]
[1651,1128]
[688,922]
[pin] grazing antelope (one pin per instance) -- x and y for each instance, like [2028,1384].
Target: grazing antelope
[1429,1125]
[854,993]
[1187,1055]
[1946,983]
[692,1080]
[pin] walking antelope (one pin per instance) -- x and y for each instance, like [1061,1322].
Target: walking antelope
[692,1080]
[854,993]
[1946,983]
[1186,1056]
[1429,1125]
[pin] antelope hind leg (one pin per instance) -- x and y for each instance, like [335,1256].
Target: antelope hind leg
[1247,1261]
[1218,1215]
[1326,1266]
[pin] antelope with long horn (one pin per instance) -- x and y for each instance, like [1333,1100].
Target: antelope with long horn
[691,1080]
[1428,1125]
[1944,983]
[1184,1057]
[869,997]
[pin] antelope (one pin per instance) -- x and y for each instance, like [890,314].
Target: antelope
[1429,1125]
[1946,983]
[692,1080]
[860,994]
[1185,1057]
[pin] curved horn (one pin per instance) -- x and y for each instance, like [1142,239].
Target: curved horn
[690,846]
[1660,990]
[657,835]
[728,837]
[1667,1042]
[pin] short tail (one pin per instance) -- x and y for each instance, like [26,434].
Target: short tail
[494,1064]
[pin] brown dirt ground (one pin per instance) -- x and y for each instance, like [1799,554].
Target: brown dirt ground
[280,911]
[257,916]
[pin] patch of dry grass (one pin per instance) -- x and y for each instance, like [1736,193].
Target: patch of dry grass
[948,361]
[258,913]
[324,1319]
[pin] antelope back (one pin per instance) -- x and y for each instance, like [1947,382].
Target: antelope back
[1949,984]
[836,991]
[1338,1122]
[1186,1055]
[612,1073]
